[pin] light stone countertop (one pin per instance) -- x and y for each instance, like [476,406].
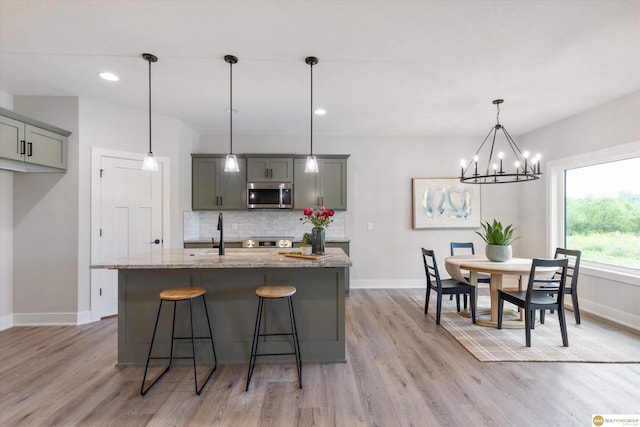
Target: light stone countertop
[239,240]
[233,258]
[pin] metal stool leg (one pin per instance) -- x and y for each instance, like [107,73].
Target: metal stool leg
[254,345]
[143,392]
[193,346]
[296,344]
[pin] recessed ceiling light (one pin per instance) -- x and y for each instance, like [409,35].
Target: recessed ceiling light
[320,112]
[109,76]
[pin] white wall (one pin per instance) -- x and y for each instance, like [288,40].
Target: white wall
[52,217]
[379,191]
[6,235]
[6,249]
[614,124]
[45,225]
[379,182]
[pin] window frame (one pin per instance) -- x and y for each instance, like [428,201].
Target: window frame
[556,212]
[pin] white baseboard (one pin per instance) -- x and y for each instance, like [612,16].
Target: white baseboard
[84,317]
[629,320]
[44,319]
[6,321]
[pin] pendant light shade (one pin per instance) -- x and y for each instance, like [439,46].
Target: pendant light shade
[311,165]
[498,168]
[231,162]
[149,163]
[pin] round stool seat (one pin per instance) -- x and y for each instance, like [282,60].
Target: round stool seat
[275,291]
[178,294]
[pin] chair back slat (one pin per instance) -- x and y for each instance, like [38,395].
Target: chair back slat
[573,269]
[431,269]
[461,245]
[540,281]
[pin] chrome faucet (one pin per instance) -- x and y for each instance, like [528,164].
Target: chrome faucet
[220,227]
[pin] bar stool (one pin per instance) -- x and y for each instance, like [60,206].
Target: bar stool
[175,295]
[274,292]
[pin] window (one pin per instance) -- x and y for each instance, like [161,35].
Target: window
[602,212]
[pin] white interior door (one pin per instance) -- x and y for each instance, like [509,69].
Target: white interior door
[131,222]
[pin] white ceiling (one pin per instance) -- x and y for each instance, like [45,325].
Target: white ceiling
[385,67]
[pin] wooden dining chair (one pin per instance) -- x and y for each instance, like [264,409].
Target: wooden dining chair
[572,273]
[536,297]
[468,248]
[454,246]
[444,287]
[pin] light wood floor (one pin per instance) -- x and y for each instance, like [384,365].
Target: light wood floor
[402,370]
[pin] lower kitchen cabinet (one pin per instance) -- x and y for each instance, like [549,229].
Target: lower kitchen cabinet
[342,245]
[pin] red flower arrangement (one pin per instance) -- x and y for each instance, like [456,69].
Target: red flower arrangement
[319,218]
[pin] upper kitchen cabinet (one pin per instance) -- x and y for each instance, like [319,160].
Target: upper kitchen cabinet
[327,188]
[27,145]
[213,188]
[276,169]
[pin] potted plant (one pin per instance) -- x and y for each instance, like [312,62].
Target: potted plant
[305,244]
[498,239]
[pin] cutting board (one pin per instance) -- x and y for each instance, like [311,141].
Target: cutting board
[299,255]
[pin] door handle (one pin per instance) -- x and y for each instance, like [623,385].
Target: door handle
[29,149]
[22,146]
[157,241]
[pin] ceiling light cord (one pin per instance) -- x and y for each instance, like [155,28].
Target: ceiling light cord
[150,107]
[311,108]
[230,107]
[149,163]
[231,161]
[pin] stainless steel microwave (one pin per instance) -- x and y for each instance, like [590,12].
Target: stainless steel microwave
[269,195]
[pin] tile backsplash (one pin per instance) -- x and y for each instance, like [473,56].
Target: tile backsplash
[202,225]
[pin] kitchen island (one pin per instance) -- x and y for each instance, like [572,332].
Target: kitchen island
[230,282]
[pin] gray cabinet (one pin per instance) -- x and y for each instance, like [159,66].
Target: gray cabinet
[327,188]
[212,188]
[29,145]
[277,169]
[342,245]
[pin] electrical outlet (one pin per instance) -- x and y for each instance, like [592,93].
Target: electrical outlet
[234,226]
[370,226]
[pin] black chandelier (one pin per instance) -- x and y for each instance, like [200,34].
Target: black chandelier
[525,168]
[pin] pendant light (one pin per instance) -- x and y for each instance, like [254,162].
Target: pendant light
[231,162]
[149,163]
[311,165]
[524,168]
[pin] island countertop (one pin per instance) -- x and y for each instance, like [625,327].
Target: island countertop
[233,258]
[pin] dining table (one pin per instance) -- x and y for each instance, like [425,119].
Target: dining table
[474,264]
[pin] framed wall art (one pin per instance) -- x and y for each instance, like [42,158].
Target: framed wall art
[445,203]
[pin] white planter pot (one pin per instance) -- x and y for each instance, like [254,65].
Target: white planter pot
[306,250]
[498,253]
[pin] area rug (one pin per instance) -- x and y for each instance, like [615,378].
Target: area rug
[588,342]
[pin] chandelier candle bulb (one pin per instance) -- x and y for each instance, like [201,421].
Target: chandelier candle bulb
[500,156]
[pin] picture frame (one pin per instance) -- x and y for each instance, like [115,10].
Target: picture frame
[445,203]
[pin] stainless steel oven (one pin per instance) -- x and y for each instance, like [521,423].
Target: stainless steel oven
[269,195]
[268,242]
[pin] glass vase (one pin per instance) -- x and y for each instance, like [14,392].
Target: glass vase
[317,240]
